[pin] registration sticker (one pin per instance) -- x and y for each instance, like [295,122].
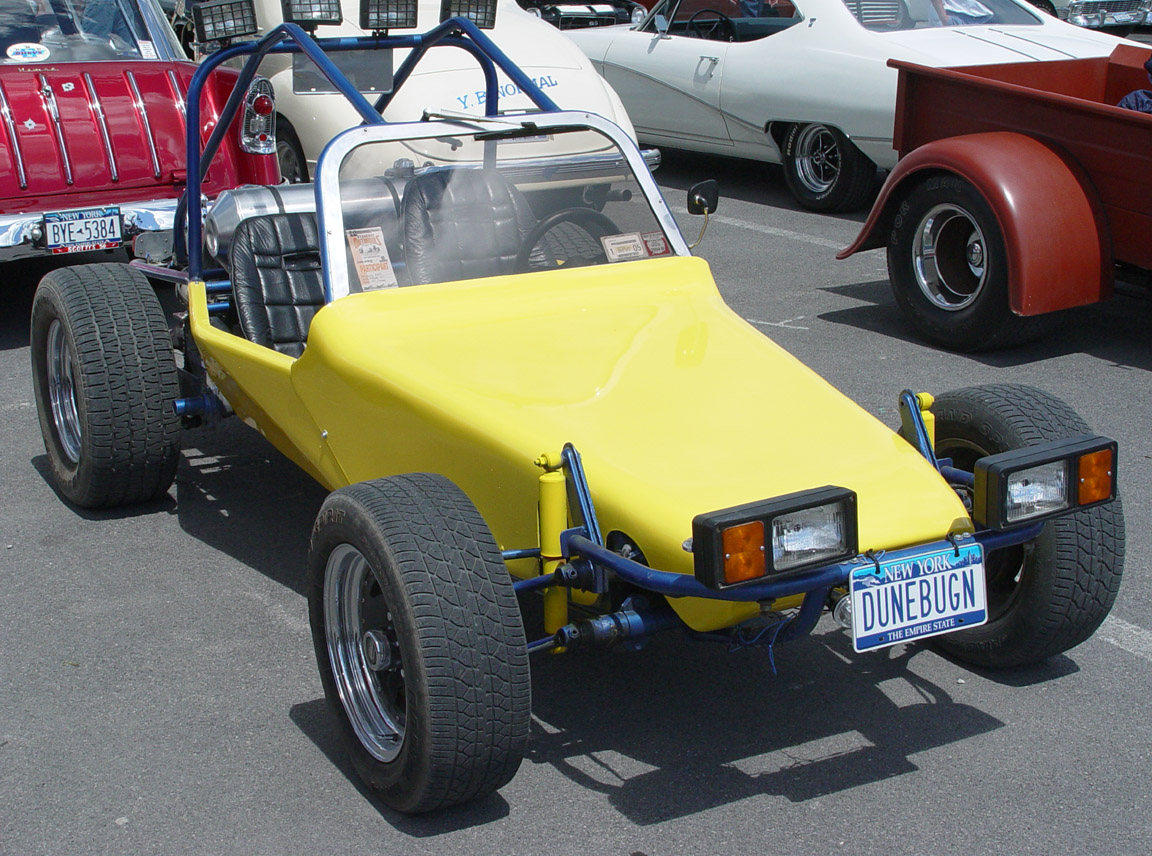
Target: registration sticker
[370,256]
[914,596]
[624,248]
[83,230]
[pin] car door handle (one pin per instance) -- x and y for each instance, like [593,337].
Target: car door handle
[712,59]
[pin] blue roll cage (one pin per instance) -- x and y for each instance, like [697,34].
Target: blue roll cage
[291,38]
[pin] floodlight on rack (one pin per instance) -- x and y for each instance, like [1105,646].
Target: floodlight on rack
[224,20]
[310,14]
[378,16]
[482,13]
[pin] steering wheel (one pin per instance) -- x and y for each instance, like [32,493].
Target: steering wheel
[574,247]
[715,30]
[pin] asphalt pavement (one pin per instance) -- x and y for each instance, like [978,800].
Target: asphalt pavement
[158,692]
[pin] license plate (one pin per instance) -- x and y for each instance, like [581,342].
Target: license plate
[1124,17]
[82,230]
[918,595]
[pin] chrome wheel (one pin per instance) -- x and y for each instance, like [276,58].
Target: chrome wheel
[364,653]
[62,392]
[949,257]
[817,158]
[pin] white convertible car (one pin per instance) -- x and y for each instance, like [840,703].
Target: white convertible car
[805,83]
[309,114]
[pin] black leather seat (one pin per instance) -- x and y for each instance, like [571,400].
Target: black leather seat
[277,280]
[462,224]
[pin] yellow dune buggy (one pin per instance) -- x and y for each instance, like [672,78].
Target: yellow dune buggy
[487,337]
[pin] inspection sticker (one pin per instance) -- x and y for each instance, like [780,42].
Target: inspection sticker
[624,248]
[370,256]
[916,595]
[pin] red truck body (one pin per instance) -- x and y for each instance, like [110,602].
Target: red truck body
[1066,173]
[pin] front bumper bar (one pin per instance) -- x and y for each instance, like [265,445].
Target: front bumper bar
[573,543]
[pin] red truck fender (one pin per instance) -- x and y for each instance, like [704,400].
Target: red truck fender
[1050,216]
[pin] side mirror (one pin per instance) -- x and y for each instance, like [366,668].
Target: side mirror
[703,197]
[662,26]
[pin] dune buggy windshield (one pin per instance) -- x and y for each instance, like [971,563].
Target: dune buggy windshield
[477,199]
[76,31]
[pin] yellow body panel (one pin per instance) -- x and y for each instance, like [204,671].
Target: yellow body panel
[676,405]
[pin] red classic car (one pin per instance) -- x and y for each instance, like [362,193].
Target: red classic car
[92,128]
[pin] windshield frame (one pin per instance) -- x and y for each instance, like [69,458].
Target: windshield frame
[330,217]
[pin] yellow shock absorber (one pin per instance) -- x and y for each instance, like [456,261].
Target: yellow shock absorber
[553,521]
[925,401]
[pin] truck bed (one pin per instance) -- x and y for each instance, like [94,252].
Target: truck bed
[1069,104]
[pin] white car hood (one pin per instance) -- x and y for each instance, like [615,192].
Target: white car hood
[958,46]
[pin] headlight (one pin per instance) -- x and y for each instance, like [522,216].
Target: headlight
[1038,482]
[774,537]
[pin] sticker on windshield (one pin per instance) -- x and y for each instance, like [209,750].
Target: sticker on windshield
[370,256]
[656,243]
[147,50]
[624,248]
[28,52]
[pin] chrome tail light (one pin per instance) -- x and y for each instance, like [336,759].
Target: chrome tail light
[258,123]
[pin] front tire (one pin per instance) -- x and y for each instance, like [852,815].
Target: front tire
[949,269]
[105,380]
[419,641]
[824,170]
[1050,595]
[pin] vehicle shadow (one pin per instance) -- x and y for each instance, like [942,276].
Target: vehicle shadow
[14,320]
[20,280]
[1114,331]
[236,493]
[315,721]
[697,713]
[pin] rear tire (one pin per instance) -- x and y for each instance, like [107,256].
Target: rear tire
[824,170]
[290,154]
[949,270]
[419,641]
[105,381]
[1050,595]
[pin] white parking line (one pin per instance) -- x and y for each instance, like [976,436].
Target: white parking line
[1133,639]
[777,233]
[787,324]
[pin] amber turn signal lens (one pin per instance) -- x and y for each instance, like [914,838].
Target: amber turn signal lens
[1095,477]
[744,555]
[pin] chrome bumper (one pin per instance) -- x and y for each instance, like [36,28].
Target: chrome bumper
[20,234]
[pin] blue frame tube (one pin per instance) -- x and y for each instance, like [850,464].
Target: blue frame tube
[669,584]
[533,583]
